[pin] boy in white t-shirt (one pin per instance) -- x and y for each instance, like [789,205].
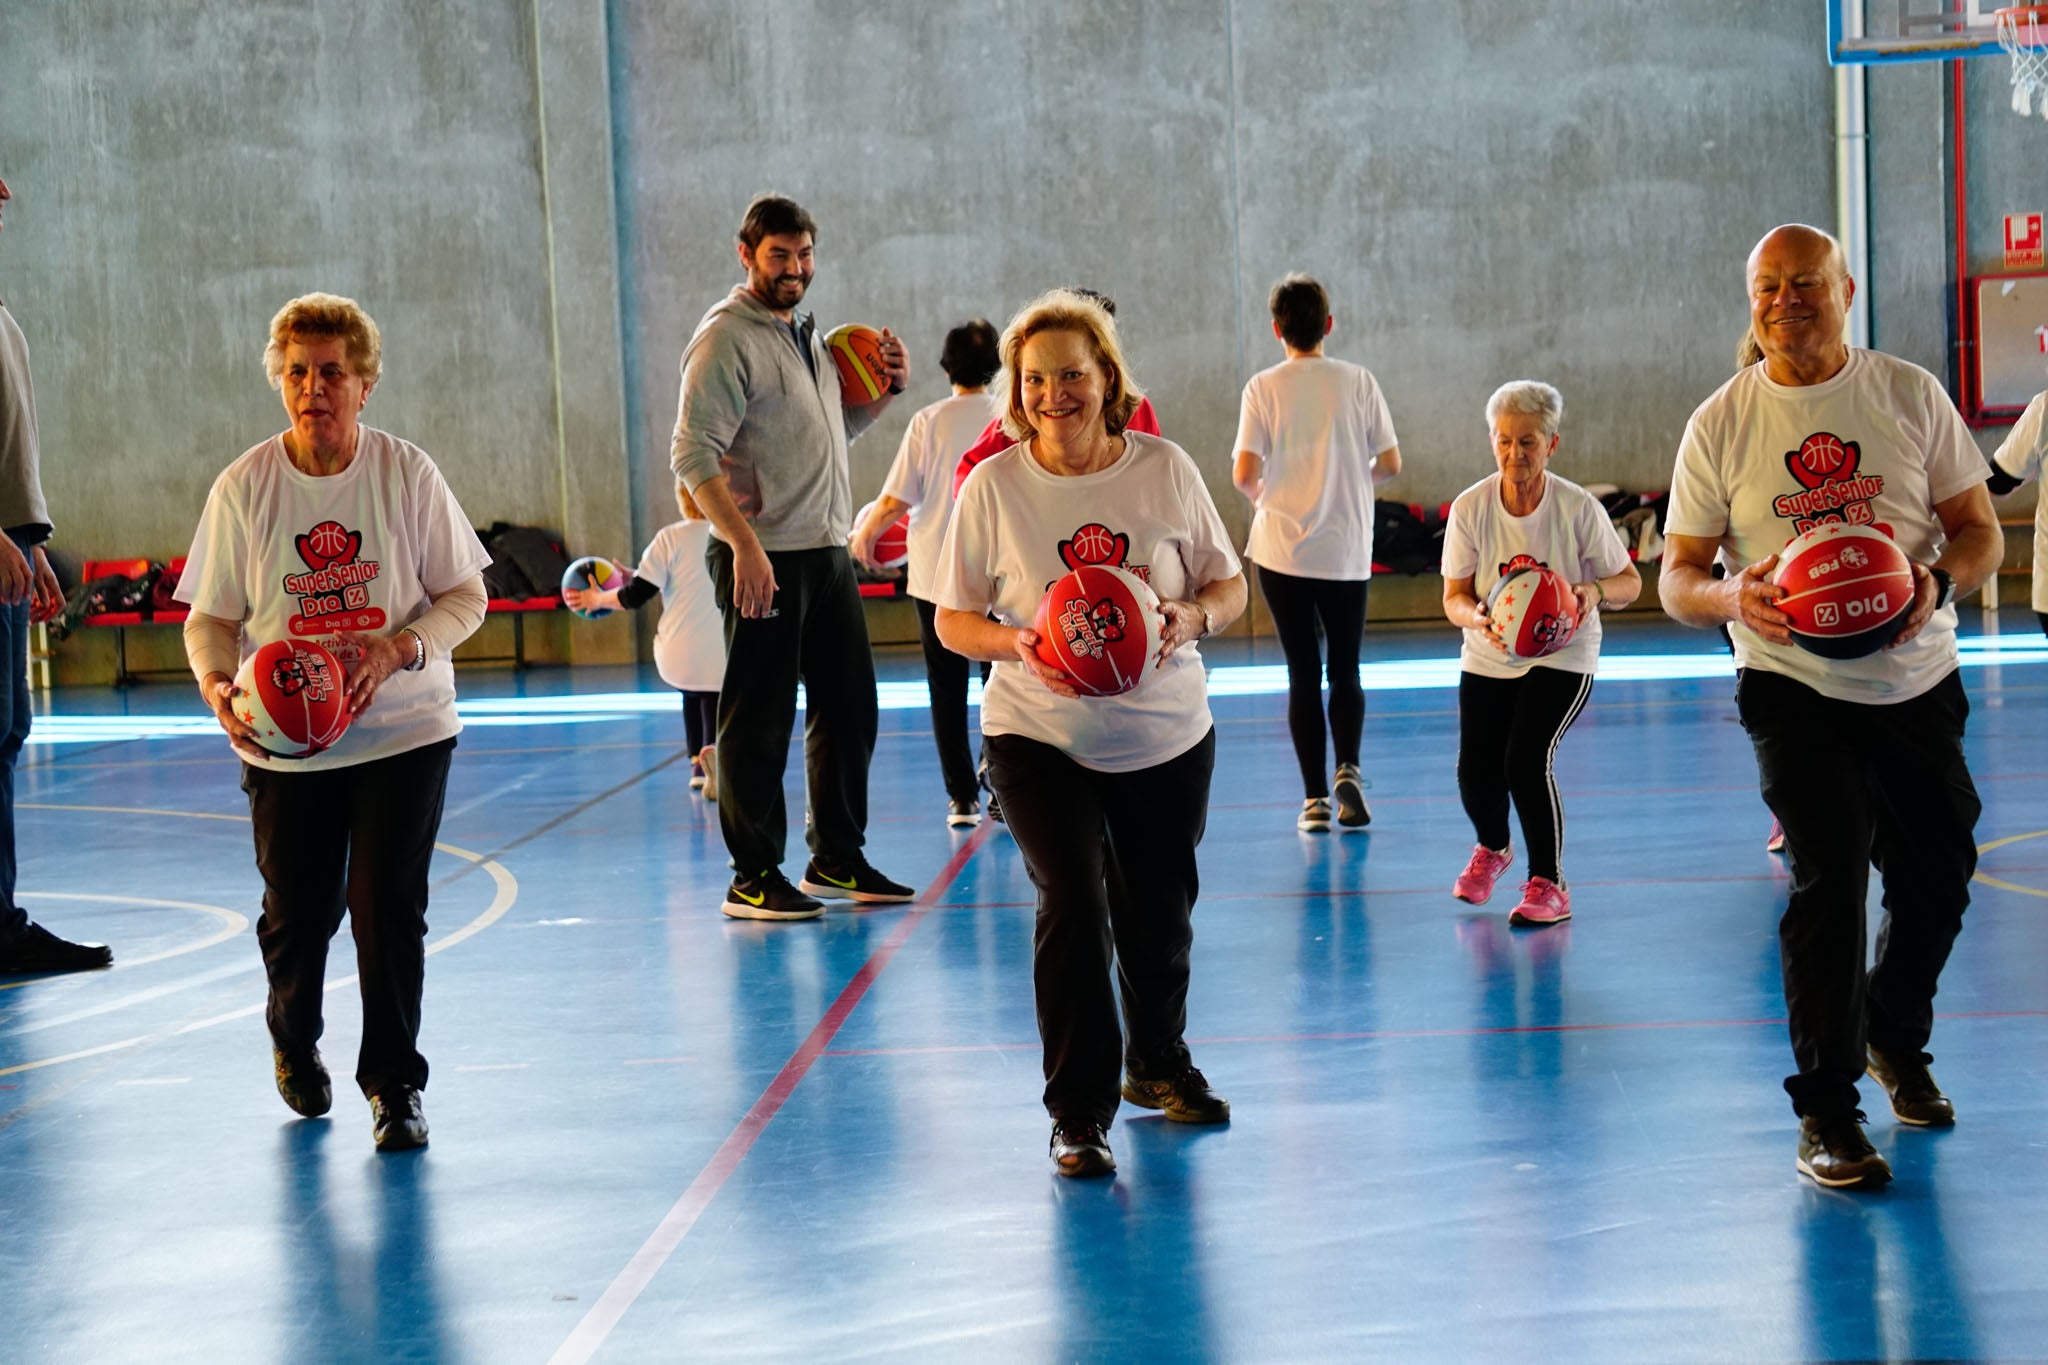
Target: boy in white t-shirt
[689,643]
[1313,437]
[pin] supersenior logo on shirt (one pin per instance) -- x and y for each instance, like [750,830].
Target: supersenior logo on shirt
[1091,627]
[334,592]
[1830,488]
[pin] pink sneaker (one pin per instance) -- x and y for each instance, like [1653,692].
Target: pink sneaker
[1475,883]
[1775,843]
[1543,902]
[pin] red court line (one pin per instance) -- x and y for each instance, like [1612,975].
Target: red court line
[1366,1034]
[654,1253]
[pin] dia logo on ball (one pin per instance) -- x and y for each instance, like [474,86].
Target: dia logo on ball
[1848,589]
[1101,627]
[1535,611]
[291,693]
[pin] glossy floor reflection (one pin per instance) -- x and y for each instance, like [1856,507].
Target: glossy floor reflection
[662,1135]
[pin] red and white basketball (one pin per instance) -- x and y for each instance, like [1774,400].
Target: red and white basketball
[1535,612]
[290,692]
[1101,627]
[1848,589]
[857,351]
[892,542]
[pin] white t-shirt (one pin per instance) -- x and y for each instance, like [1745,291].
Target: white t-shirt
[2021,454]
[923,475]
[689,643]
[1569,531]
[1318,424]
[290,555]
[1878,444]
[1013,534]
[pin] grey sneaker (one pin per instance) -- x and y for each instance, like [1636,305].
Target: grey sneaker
[1349,789]
[1315,816]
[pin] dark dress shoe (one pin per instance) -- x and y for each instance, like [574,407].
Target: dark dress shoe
[39,950]
[302,1082]
[1916,1099]
[397,1121]
[1833,1152]
[1081,1150]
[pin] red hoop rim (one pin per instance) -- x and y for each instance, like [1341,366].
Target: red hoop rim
[2022,25]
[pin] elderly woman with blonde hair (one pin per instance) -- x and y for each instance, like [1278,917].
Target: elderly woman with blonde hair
[1106,796]
[341,534]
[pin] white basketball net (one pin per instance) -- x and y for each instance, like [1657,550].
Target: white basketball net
[2023,32]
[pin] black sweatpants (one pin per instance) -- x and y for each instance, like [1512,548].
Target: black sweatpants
[1298,605]
[1508,732]
[820,636]
[355,840]
[945,680]
[700,720]
[1857,785]
[1113,858]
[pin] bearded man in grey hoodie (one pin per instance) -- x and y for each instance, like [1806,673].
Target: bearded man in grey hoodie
[760,441]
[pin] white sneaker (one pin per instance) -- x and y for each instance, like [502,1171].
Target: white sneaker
[963,814]
[1315,816]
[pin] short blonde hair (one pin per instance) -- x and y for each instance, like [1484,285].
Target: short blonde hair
[326,315]
[1064,310]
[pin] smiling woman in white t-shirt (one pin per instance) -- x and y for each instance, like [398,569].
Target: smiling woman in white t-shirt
[337,533]
[1106,796]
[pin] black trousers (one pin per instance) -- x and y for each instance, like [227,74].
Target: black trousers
[945,679]
[1857,786]
[1298,605]
[1113,858]
[355,840]
[818,636]
[1508,733]
[700,719]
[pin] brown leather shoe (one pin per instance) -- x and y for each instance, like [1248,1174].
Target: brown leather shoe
[1185,1097]
[1916,1099]
[1833,1152]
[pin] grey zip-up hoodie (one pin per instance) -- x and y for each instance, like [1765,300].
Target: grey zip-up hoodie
[752,410]
[21,486]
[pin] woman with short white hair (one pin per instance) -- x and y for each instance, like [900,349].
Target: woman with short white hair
[1513,712]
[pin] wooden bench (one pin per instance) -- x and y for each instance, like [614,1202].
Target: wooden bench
[121,622]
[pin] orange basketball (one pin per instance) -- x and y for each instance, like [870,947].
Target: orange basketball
[857,351]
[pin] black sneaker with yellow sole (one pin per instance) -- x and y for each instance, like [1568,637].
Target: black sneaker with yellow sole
[854,881]
[768,895]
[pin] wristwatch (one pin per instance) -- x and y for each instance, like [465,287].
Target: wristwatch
[419,650]
[1944,587]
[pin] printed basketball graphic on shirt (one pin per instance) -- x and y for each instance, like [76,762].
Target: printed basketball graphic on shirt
[1101,627]
[1095,544]
[328,544]
[334,592]
[1825,467]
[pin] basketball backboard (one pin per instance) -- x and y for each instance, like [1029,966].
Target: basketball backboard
[1869,32]
[2012,342]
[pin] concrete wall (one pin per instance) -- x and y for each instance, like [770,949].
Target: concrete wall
[536,198]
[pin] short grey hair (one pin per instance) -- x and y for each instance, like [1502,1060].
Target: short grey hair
[1531,397]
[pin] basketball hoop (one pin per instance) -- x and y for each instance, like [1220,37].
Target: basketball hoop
[2023,32]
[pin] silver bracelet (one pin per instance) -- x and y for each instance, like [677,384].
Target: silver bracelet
[419,650]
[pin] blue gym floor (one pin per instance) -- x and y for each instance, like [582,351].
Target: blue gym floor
[662,1135]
